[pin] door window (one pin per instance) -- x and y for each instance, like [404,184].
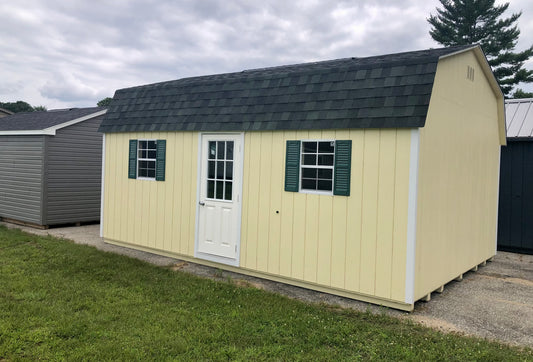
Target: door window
[220,170]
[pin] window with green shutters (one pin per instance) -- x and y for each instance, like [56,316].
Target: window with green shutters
[318,166]
[147,159]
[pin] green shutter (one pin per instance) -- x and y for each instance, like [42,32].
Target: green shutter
[343,165]
[160,160]
[132,164]
[292,166]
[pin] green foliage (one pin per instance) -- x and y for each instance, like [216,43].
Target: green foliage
[39,108]
[463,22]
[63,301]
[104,102]
[16,107]
[519,93]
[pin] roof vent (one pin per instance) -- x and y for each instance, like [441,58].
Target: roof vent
[470,73]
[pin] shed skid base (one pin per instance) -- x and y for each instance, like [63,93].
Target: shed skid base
[24,223]
[277,278]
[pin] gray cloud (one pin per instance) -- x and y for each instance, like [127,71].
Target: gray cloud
[73,53]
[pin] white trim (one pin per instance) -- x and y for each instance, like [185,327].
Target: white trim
[51,131]
[238,200]
[459,52]
[102,189]
[410,258]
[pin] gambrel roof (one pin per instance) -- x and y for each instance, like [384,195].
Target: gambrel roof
[374,92]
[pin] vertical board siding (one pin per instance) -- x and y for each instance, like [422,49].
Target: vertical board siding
[152,214]
[458,176]
[354,243]
[515,215]
[21,169]
[73,173]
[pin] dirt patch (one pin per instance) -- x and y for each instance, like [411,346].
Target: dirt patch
[435,323]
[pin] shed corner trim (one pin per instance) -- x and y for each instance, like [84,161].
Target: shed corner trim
[410,257]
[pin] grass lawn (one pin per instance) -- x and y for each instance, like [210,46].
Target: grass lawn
[59,300]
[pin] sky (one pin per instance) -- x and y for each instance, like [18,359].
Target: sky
[73,53]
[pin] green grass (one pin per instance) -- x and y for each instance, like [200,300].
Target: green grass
[62,301]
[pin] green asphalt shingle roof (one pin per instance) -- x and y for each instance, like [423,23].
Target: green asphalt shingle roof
[375,92]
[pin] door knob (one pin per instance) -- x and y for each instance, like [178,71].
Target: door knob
[201,203]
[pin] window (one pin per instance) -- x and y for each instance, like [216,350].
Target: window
[147,159]
[317,165]
[220,170]
[321,166]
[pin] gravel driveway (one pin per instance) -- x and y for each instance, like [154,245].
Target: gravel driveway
[496,302]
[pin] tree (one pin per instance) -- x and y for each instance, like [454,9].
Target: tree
[39,108]
[104,102]
[463,22]
[16,107]
[519,93]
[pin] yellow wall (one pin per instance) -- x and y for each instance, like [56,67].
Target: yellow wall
[152,214]
[355,243]
[458,175]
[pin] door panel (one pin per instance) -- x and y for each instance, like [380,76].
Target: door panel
[219,204]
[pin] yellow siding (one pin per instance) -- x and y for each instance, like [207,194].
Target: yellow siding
[355,243]
[152,214]
[458,175]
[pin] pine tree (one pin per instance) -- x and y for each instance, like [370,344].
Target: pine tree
[462,22]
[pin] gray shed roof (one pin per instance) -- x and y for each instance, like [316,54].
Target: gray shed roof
[382,91]
[519,118]
[41,121]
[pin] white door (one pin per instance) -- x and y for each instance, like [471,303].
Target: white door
[219,206]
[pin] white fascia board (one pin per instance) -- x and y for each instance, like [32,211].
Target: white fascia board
[51,131]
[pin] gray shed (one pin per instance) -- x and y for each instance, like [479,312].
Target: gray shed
[515,215]
[50,166]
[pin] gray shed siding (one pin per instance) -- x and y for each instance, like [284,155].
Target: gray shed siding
[73,171]
[21,171]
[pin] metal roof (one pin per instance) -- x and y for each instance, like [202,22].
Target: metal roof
[519,118]
[391,90]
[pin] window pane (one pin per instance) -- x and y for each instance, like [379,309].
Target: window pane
[326,147]
[211,189]
[309,172]
[151,154]
[324,185]
[151,145]
[212,150]
[220,170]
[220,150]
[210,169]
[151,172]
[229,170]
[309,147]
[325,160]
[325,173]
[219,190]
[142,153]
[229,150]
[142,144]
[227,193]
[309,160]
[309,184]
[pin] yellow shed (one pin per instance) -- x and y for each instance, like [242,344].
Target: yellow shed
[372,178]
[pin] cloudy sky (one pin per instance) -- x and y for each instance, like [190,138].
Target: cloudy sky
[72,53]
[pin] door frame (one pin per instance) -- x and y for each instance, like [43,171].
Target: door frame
[238,205]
